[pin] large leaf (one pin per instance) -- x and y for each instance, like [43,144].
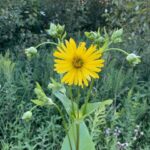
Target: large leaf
[91,107]
[85,140]
[69,106]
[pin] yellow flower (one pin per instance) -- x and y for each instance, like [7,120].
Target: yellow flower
[77,63]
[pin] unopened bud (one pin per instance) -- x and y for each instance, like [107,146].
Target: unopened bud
[91,35]
[51,86]
[31,52]
[49,102]
[133,59]
[56,31]
[27,116]
[60,29]
[116,36]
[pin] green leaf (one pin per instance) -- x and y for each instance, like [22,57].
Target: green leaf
[38,102]
[42,99]
[91,107]
[85,140]
[39,92]
[107,102]
[66,102]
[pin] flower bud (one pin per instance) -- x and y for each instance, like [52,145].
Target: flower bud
[56,31]
[91,35]
[116,36]
[60,29]
[31,52]
[27,116]
[51,86]
[99,40]
[49,102]
[133,59]
[56,86]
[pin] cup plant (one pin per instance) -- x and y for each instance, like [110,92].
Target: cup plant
[78,67]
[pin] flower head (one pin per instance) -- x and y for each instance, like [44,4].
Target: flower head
[77,63]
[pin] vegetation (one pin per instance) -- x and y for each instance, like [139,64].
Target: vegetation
[124,124]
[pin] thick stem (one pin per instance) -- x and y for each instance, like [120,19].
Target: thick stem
[64,124]
[88,96]
[72,99]
[78,136]
[78,117]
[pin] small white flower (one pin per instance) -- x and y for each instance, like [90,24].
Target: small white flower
[141,133]
[135,130]
[106,10]
[134,138]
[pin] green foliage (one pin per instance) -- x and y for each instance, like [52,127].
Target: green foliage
[19,24]
[98,120]
[23,24]
[83,133]
[6,68]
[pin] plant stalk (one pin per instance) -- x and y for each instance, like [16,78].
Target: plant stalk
[71,96]
[44,43]
[116,49]
[64,124]
[78,136]
[88,96]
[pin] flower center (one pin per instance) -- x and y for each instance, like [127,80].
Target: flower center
[77,62]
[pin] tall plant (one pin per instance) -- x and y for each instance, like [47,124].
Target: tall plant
[78,67]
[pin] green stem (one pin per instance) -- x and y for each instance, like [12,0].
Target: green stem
[78,136]
[33,108]
[116,49]
[78,96]
[88,96]
[71,96]
[64,124]
[44,43]
[78,123]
